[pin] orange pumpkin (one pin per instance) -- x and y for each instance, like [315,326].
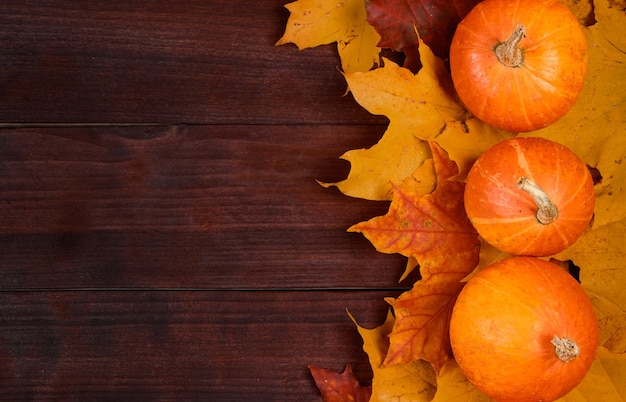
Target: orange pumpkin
[529,196]
[519,65]
[523,330]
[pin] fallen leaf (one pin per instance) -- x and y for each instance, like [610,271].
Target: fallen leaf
[604,382]
[453,386]
[375,170]
[435,230]
[595,128]
[423,108]
[414,382]
[420,103]
[583,10]
[435,20]
[601,256]
[420,107]
[336,387]
[319,22]
[466,141]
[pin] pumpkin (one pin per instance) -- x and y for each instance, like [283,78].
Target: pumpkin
[523,329]
[519,65]
[529,196]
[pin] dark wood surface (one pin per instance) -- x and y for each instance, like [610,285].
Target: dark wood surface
[162,234]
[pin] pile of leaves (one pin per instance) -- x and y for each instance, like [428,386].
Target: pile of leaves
[420,164]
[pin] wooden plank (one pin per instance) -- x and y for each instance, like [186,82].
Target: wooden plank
[172,345]
[185,206]
[169,61]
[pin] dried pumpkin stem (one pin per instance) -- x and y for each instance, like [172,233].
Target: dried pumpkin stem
[509,53]
[547,212]
[566,349]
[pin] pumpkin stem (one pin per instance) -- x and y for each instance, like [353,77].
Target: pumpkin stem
[566,349]
[547,212]
[509,53]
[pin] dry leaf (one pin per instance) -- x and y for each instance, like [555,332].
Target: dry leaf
[582,9]
[319,22]
[453,386]
[604,382]
[375,170]
[435,230]
[420,107]
[420,104]
[466,141]
[595,128]
[601,256]
[435,20]
[423,108]
[411,382]
[339,387]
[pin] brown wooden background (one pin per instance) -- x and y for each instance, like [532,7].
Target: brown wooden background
[162,236]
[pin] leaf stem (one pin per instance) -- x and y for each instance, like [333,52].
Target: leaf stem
[547,212]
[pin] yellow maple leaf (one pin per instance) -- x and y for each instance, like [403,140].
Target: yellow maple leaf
[319,22]
[595,128]
[453,386]
[413,381]
[466,141]
[424,107]
[420,107]
[601,256]
[604,382]
[375,170]
[420,104]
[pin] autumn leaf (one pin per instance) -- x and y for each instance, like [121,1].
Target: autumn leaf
[595,128]
[435,230]
[601,256]
[604,382]
[453,386]
[583,10]
[423,108]
[374,170]
[336,387]
[420,107]
[319,22]
[414,381]
[435,20]
[465,141]
[419,103]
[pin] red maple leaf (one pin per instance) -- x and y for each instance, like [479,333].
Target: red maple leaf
[397,20]
[435,230]
[340,387]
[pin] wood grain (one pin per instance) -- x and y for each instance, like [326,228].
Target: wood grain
[186,206]
[189,61]
[173,345]
[162,234]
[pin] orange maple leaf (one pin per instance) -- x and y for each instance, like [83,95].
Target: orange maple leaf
[340,387]
[435,230]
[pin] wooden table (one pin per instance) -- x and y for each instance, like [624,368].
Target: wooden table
[162,233]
